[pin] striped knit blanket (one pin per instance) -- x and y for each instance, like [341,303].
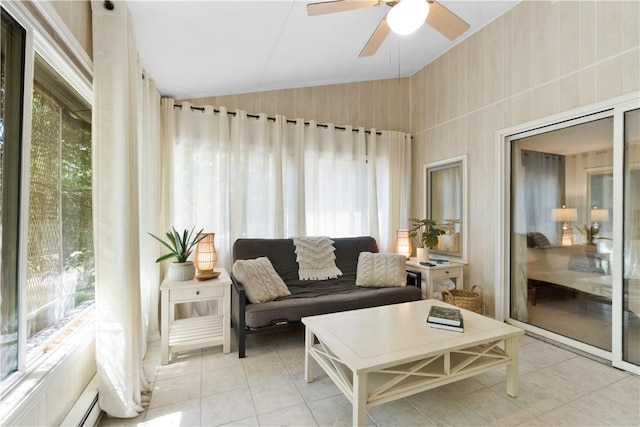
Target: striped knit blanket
[316,258]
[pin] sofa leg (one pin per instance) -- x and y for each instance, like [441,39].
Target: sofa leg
[241,343]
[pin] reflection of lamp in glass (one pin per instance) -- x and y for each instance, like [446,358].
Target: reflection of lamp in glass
[205,257]
[403,243]
[565,215]
[597,216]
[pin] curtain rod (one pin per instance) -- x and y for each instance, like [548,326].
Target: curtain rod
[273,119]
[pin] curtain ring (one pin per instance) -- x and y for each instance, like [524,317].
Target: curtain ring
[108,4]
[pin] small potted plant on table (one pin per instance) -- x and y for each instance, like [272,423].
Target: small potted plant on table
[180,246]
[426,234]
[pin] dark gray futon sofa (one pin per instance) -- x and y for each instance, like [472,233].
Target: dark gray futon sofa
[309,297]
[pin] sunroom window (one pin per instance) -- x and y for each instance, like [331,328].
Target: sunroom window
[46,263]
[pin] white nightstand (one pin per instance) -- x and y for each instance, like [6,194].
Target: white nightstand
[195,332]
[453,271]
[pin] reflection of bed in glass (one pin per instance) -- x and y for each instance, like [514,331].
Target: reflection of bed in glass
[579,268]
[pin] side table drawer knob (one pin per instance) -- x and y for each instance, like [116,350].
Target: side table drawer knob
[447,271]
[197,292]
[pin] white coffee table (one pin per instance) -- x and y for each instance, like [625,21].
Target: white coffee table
[377,355]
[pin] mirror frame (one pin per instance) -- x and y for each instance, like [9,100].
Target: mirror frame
[460,161]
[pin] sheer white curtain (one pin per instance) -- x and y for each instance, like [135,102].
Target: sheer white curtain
[335,192]
[544,178]
[273,177]
[389,171]
[126,176]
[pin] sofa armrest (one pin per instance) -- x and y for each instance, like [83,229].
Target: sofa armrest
[414,278]
[238,305]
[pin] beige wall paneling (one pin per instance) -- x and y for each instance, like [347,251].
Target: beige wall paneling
[539,59]
[77,15]
[476,87]
[457,80]
[587,41]
[568,37]
[609,24]
[631,70]
[418,86]
[520,49]
[544,41]
[494,66]
[383,104]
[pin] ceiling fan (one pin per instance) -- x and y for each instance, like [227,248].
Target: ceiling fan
[433,13]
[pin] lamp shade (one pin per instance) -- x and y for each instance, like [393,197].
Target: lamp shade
[599,215]
[205,257]
[407,16]
[403,243]
[564,214]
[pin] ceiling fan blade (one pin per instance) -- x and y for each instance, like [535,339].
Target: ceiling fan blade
[325,7]
[445,21]
[376,39]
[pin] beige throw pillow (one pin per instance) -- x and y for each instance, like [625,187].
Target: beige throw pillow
[377,270]
[260,280]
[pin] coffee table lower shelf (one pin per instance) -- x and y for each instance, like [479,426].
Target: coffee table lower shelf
[396,382]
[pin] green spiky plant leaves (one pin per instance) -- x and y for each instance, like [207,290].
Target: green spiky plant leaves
[425,232]
[591,233]
[180,245]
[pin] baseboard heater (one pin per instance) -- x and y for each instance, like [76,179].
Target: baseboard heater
[86,411]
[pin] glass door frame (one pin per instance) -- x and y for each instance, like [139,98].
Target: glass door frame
[618,230]
[615,108]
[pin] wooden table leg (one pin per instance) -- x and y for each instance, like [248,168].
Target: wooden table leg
[165,325]
[308,359]
[359,399]
[226,320]
[511,348]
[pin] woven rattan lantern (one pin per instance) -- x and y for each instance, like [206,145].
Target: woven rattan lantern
[205,257]
[403,243]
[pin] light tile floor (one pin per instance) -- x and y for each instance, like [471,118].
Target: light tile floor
[209,388]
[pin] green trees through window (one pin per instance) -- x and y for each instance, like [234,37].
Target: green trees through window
[60,278]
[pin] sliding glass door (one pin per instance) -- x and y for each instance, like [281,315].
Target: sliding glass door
[574,232]
[561,231]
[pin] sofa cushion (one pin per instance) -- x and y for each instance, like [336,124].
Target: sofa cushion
[293,308]
[381,270]
[282,254]
[260,280]
[537,239]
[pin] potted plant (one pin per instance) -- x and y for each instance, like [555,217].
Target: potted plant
[180,246]
[591,234]
[426,234]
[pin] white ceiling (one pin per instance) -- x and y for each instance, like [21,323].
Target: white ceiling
[212,48]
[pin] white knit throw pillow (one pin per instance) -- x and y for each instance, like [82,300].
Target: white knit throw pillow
[260,280]
[378,270]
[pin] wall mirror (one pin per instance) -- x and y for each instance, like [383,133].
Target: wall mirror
[446,204]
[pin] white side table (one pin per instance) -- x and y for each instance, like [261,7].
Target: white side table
[195,332]
[453,271]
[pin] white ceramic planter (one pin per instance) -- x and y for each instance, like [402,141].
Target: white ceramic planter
[181,271]
[422,254]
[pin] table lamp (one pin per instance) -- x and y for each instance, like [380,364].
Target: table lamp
[598,216]
[403,243]
[205,258]
[565,215]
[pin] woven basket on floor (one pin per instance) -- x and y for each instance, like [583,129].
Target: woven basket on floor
[469,300]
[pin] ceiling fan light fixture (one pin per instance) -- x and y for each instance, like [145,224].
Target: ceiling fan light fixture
[407,16]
